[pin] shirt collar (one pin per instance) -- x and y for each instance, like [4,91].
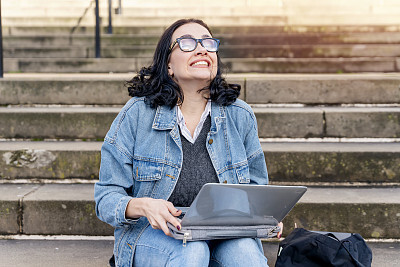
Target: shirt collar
[182,125]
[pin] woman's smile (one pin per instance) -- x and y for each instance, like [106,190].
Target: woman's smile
[200,63]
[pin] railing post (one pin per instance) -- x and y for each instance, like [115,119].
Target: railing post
[109,17]
[97,30]
[1,47]
[118,11]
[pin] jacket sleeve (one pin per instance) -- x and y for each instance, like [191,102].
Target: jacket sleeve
[112,192]
[255,154]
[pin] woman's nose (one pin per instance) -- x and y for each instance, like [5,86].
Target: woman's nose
[200,49]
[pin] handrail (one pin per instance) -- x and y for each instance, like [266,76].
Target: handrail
[109,17]
[81,17]
[1,47]
[118,11]
[97,34]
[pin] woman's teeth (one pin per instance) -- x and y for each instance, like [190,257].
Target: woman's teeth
[198,63]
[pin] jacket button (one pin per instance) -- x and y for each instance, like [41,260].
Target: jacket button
[225,182]
[210,141]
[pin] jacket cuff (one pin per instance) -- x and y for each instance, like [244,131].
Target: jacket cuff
[121,211]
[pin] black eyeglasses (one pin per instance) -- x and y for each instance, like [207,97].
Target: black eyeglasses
[189,44]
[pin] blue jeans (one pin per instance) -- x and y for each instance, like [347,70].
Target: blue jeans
[154,248]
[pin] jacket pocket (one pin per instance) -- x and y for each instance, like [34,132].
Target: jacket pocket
[146,170]
[243,174]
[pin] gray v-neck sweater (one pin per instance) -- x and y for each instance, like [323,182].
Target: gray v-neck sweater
[197,169]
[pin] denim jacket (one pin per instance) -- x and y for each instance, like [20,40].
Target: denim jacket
[142,157]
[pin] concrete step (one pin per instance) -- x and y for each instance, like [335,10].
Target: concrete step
[298,38]
[9,30]
[48,253]
[202,10]
[54,122]
[57,161]
[321,162]
[65,251]
[226,51]
[339,3]
[220,20]
[38,3]
[108,89]
[84,40]
[177,3]
[194,9]
[167,20]
[70,89]
[332,162]
[350,122]
[324,89]
[50,209]
[184,10]
[291,122]
[60,40]
[149,4]
[56,209]
[312,65]
[79,29]
[346,19]
[234,65]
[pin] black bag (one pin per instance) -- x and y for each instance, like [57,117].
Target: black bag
[306,248]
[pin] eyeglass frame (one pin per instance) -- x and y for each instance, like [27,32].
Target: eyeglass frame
[177,41]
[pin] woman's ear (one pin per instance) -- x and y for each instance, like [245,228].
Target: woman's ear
[170,72]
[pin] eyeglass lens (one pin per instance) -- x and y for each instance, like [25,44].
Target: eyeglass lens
[189,44]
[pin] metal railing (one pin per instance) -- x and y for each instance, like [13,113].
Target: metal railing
[109,29]
[1,48]
[97,31]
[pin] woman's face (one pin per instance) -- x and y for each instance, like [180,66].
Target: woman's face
[199,64]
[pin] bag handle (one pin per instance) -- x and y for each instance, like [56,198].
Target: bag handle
[357,263]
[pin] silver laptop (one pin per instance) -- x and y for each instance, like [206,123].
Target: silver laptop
[235,204]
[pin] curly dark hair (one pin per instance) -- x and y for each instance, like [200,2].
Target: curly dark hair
[159,88]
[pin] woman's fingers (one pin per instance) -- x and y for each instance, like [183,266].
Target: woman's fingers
[162,223]
[163,226]
[174,213]
[160,212]
[280,232]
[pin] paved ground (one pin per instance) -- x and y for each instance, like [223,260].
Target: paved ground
[63,253]
[42,253]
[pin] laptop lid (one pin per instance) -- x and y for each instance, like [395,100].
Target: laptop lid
[236,204]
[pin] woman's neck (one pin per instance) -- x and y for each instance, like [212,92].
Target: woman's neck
[193,105]
[194,101]
[192,108]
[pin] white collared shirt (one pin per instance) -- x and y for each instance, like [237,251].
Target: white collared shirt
[182,124]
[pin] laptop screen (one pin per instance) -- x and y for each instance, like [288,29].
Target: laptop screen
[235,204]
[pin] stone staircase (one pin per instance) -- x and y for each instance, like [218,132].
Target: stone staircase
[336,133]
[49,139]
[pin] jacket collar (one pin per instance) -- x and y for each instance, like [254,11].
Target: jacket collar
[217,116]
[165,118]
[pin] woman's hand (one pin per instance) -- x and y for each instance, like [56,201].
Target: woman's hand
[280,232]
[157,211]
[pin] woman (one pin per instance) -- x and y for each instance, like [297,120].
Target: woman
[184,127]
